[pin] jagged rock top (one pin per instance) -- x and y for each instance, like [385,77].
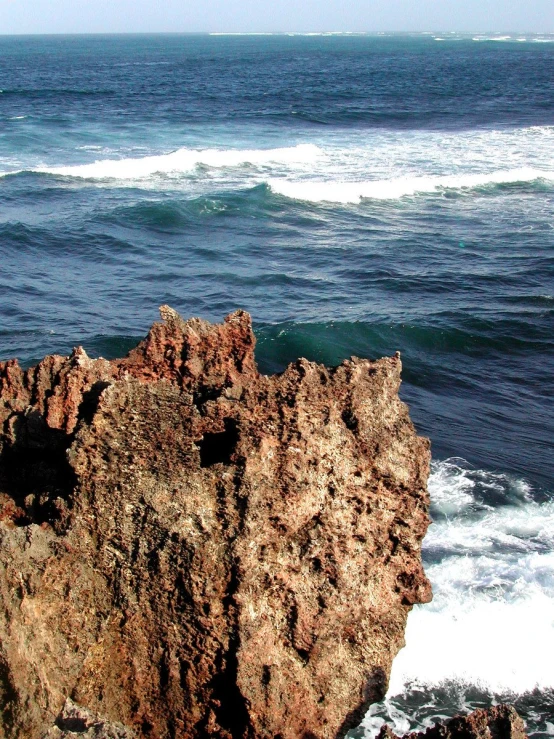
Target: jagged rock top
[192,549]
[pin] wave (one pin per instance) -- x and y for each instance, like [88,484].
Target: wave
[492,38]
[408,712]
[487,634]
[288,33]
[174,216]
[179,162]
[520,39]
[489,625]
[393,189]
[491,644]
[332,167]
[332,341]
[456,488]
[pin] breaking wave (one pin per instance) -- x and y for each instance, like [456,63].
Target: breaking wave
[180,162]
[490,557]
[392,189]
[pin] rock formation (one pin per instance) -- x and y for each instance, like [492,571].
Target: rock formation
[499,722]
[189,548]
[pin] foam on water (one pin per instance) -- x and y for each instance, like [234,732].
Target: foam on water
[355,192]
[181,161]
[326,166]
[496,642]
[490,626]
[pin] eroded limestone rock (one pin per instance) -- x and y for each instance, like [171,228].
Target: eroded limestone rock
[191,549]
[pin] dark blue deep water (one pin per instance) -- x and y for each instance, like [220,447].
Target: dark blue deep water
[357,195]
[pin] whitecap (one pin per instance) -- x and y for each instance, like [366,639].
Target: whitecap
[492,38]
[182,161]
[392,189]
[238,33]
[491,621]
[494,644]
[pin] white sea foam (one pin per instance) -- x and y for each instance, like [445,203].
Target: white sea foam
[183,161]
[450,486]
[485,643]
[287,33]
[392,189]
[238,33]
[490,625]
[454,486]
[523,530]
[337,166]
[492,38]
[491,622]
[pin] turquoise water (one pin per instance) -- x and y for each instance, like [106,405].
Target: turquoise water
[358,195]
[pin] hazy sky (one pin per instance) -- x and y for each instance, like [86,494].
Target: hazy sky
[98,16]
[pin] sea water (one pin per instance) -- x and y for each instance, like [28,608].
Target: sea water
[358,195]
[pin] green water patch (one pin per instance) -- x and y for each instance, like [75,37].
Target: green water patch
[333,341]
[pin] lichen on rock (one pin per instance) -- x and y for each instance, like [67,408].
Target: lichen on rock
[190,548]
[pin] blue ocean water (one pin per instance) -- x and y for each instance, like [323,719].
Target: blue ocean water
[358,195]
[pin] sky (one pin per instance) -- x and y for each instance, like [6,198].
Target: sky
[302,16]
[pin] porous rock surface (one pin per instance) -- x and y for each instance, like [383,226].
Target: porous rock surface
[76,722]
[189,548]
[498,722]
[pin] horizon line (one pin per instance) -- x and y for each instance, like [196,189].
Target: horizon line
[507,33]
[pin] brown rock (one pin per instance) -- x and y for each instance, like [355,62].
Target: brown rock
[192,549]
[499,722]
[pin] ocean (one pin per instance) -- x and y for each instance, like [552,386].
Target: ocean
[357,195]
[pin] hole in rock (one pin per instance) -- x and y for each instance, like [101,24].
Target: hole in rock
[8,697]
[218,448]
[350,420]
[266,675]
[87,409]
[35,472]
[75,724]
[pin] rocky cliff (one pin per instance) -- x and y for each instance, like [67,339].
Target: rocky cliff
[189,548]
